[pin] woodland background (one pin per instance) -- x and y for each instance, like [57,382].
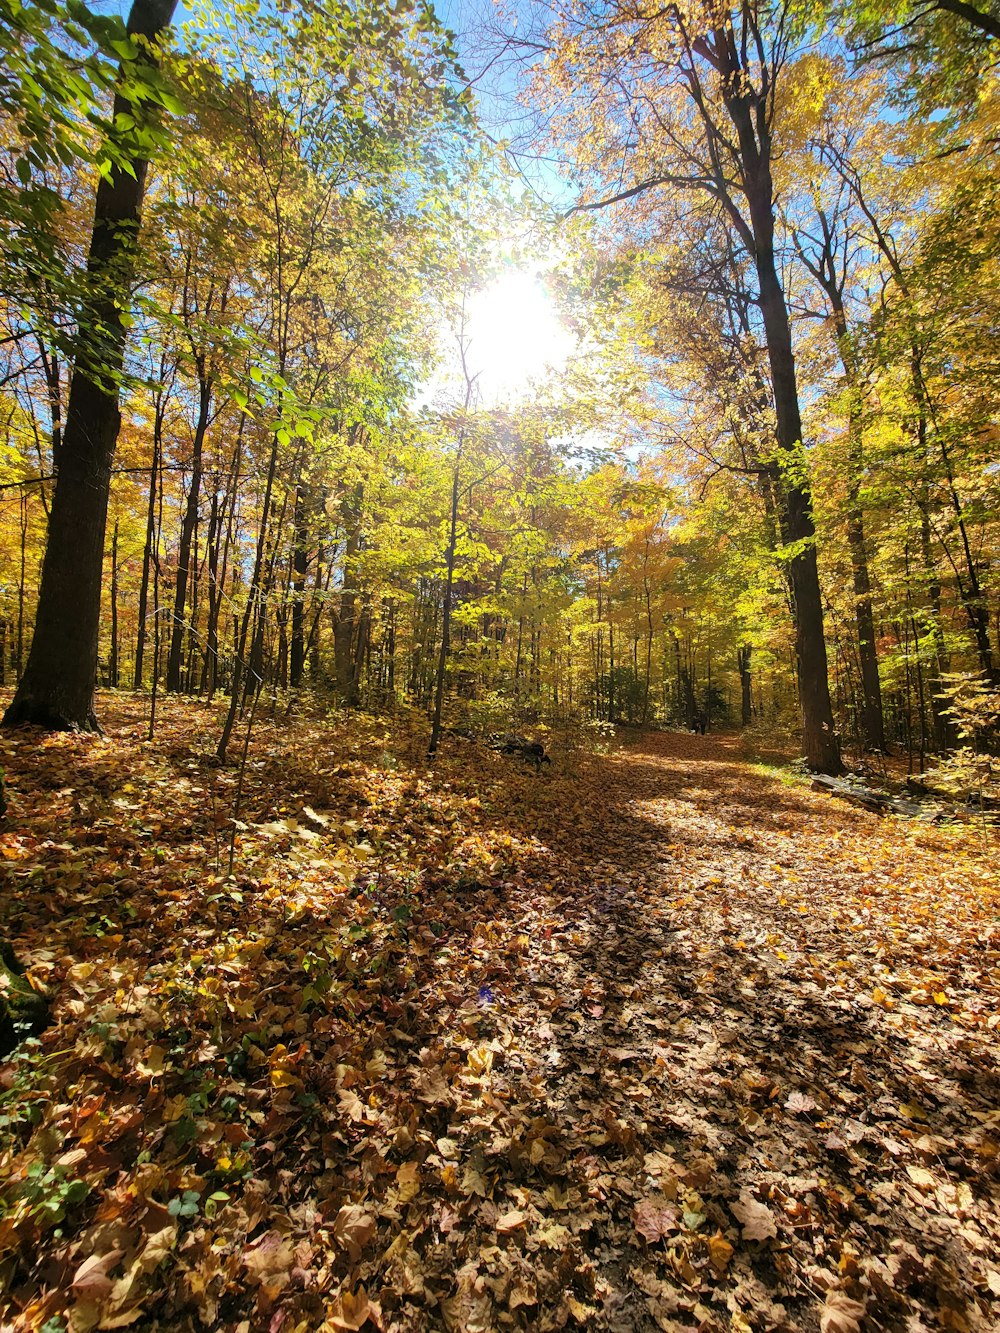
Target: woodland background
[322,208]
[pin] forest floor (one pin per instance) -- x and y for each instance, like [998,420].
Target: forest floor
[657,1039]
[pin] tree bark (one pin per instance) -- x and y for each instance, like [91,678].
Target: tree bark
[345,623]
[147,552]
[300,568]
[188,525]
[819,740]
[442,664]
[113,655]
[832,282]
[57,688]
[743,657]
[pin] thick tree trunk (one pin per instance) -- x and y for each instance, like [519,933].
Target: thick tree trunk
[749,120]
[819,739]
[57,688]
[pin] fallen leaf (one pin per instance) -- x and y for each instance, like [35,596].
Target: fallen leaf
[353,1227]
[756,1218]
[655,1218]
[91,1278]
[840,1314]
[272,1253]
[719,1252]
[408,1181]
[921,1177]
[349,1311]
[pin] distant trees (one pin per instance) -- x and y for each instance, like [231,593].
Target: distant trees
[766,488]
[685,104]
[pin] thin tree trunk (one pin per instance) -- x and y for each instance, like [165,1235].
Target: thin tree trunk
[113,656]
[442,664]
[872,722]
[179,625]
[344,626]
[300,568]
[253,612]
[23,503]
[649,652]
[743,657]
[147,552]
[217,565]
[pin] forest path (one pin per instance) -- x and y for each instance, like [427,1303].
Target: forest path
[758,1017]
[657,1039]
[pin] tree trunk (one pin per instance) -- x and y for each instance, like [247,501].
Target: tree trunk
[360,654]
[216,566]
[344,625]
[649,651]
[749,120]
[253,613]
[113,655]
[300,567]
[188,525]
[57,688]
[743,656]
[442,664]
[147,552]
[819,740]
[872,722]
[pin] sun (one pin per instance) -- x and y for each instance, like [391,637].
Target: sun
[514,337]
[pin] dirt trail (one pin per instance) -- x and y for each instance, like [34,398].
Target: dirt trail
[655,1040]
[769,1015]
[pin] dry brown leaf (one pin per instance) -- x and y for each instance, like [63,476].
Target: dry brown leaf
[353,1227]
[273,1253]
[840,1314]
[756,1218]
[583,1314]
[655,1218]
[349,1311]
[408,1181]
[719,1252]
[91,1278]
[921,1177]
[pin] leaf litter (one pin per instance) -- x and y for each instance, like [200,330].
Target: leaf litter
[657,1040]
